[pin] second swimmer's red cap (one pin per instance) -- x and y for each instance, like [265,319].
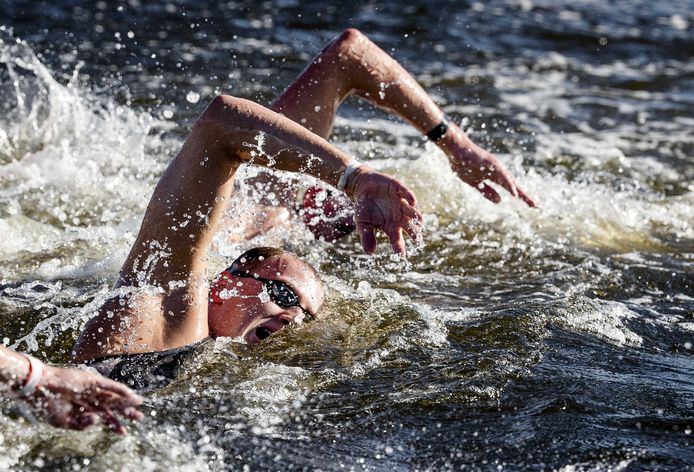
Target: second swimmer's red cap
[328,214]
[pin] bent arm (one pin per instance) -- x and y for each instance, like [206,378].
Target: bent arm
[168,260]
[353,64]
[263,137]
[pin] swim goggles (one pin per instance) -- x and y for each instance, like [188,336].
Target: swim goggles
[280,293]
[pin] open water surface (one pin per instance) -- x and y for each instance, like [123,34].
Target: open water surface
[558,338]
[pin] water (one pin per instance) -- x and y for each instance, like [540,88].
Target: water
[516,339]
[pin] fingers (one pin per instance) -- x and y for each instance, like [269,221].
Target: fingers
[121,407]
[413,226]
[123,401]
[83,421]
[384,203]
[98,402]
[509,184]
[367,236]
[125,393]
[501,177]
[407,218]
[414,231]
[410,211]
[404,192]
[488,192]
[493,170]
[526,198]
[85,416]
[108,419]
[396,240]
[133,414]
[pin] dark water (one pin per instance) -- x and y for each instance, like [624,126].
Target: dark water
[516,339]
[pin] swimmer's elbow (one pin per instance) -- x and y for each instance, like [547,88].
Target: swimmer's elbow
[219,110]
[230,109]
[230,121]
[351,35]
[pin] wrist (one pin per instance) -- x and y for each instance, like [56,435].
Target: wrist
[437,133]
[353,180]
[30,383]
[349,170]
[454,142]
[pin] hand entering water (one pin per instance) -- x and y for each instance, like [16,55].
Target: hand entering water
[382,202]
[68,398]
[75,399]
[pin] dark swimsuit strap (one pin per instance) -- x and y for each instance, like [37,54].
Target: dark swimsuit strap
[148,369]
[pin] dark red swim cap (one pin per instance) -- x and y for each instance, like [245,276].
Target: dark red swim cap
[328,214]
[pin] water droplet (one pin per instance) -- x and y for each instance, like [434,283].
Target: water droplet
[193,97]
[264,296]
[168,114]
[316,108]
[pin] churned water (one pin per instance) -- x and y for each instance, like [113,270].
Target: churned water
[558,338]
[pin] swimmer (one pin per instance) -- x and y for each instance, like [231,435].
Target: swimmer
[167,303]
[67,398]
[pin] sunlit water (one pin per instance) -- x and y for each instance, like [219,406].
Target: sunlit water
[515,339]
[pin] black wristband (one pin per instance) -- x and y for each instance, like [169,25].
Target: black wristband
[439,130]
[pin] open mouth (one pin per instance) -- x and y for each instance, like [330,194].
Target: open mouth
[262,333]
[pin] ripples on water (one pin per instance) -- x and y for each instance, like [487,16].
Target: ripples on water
[557,338]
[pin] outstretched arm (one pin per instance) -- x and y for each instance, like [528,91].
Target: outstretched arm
[68,398]
[353,64]
[168,259]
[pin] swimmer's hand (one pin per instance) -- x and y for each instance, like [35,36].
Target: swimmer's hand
[383,202]
[75,399]
[474,165]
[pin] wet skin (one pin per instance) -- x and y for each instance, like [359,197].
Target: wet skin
[246,311]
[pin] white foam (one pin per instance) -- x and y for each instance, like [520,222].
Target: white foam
[74,167]
[583,214]
[606,319]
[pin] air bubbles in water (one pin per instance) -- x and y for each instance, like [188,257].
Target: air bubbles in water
[193,97]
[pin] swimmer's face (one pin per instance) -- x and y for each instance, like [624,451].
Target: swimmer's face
[242,306]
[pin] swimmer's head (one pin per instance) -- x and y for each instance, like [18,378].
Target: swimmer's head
[264,290]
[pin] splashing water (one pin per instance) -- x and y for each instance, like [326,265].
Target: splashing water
[557,338]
